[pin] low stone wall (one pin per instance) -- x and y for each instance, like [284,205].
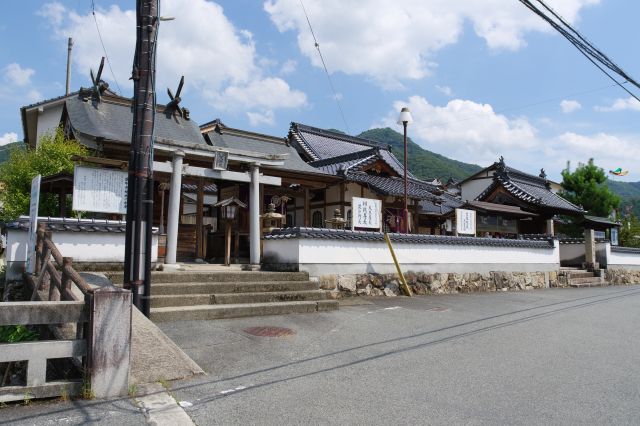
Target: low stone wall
[434,283]
[619,276]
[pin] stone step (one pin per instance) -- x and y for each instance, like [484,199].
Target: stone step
[215,276]
[162,301]
[210,312]
[581,274]
[588,284]
[584,280]
[268,297]
[230,287]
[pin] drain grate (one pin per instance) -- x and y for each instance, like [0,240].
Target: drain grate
[269,331]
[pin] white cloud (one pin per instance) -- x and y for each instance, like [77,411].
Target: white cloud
[464,130]
[218,60]
[288,67]
[390,41]
[258,118]
[15,74]
[8,138]
[445,90]
[620,104]
[472,132]
[569,106]
[54,12]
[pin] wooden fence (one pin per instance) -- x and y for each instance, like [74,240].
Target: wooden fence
[93,323]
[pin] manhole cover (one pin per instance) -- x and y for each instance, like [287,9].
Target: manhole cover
[269,331]
[438,309]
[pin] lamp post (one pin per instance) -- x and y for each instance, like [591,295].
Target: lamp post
[404,119]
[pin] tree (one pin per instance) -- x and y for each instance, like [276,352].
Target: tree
[587,187]
[629,231]
[53,155]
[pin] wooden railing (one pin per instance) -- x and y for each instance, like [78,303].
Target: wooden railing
[47,276]
[101,339]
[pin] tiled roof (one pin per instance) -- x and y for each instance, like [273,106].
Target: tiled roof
[344,234]
[208,189]
[225,137]
[394,186]
[112,119]
[528,188]
[59,224]
[445,205]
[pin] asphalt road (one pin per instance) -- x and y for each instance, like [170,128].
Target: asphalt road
[558,356]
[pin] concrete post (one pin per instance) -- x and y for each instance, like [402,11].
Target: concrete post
[109,342]
[550,230]
[173,215]
[590,249]
[254,216]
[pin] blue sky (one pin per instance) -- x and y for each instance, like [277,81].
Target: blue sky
[482,79]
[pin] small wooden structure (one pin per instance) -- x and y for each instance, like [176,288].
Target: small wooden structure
[229,214]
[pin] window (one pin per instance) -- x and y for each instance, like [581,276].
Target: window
[289,223]
[316,219]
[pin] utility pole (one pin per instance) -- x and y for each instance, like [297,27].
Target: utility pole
[69,47]
[137,262]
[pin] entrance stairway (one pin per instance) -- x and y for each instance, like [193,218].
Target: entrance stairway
[584,278]
[180,295]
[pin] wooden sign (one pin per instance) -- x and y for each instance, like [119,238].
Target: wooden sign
[466,222]
[366,213]
[100,190]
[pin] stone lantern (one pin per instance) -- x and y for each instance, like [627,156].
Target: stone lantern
[271,220]
[229,213]
[337,222]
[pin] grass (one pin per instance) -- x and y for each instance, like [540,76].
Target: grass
[132,390]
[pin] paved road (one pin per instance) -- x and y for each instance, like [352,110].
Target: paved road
[560,356]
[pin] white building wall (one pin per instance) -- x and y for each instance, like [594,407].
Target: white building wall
[49,120]
[622,260]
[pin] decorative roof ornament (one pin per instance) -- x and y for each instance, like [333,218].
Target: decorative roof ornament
[99,85]
[174,105]
[542,174]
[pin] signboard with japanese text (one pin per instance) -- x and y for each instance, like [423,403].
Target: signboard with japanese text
[33,223]
[100,190]
[367,213]
[466,222]
[614,236]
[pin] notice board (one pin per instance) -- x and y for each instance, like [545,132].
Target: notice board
[100,190]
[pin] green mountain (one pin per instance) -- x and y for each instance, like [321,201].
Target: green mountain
[6,149]
[422,163]
[629,192]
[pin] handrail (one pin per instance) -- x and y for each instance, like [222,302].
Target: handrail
[48,261]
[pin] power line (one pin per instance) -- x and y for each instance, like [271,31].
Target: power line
[93,12]
[584,46]
[317,45]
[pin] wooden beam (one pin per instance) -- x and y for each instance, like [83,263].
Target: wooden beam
[199,219]
[216,174]
[23,313]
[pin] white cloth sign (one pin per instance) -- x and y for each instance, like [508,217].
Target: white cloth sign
[100,190]
[466,222]
[33,223]
[366,213]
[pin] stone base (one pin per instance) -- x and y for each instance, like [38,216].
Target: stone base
[435,283]
[622,276]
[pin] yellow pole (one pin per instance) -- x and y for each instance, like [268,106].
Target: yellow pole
[403,282]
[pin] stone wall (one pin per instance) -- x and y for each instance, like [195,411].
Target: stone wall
[435,283]
[619,276]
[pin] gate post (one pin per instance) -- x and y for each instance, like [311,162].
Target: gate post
[109,341]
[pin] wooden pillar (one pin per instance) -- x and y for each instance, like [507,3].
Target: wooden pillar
[416,209]
[199,219]
[342,191]
[306,207]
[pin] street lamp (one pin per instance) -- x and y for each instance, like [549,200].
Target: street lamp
[404,119]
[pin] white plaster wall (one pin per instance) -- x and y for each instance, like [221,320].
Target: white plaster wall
[326,256]
[616,260]
[48,120]
[572,253]
[81,246]
[473,188]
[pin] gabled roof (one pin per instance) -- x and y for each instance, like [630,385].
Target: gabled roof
[446,204]
[219,135]
[332,151]
[394,186]
[112,119]
[534,190]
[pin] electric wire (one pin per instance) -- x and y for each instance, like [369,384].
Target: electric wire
[584,46]
[317,45]
[95,19]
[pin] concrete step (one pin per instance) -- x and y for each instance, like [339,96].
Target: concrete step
[581,274]
[215,276]
[210,312]
[596,282]
[268,297]
[584,280]
[167,300]
[230,287]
